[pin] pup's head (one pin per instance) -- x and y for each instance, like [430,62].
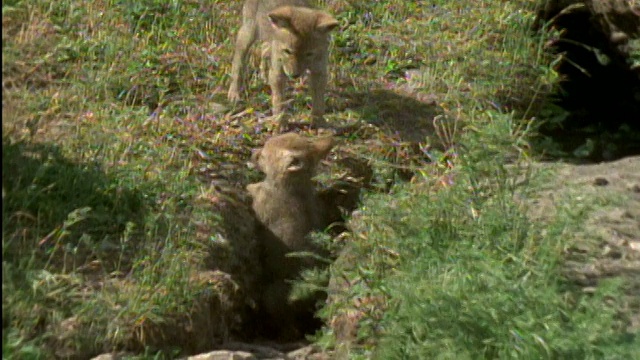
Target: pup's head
[302,37]
[291,157]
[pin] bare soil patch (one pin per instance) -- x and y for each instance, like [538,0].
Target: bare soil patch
[608,244]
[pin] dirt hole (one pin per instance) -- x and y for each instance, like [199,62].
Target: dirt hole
[340,195]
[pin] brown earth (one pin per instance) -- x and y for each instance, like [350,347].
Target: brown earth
[608,243]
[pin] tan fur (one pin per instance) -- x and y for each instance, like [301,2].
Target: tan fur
[298,40]
[288,208]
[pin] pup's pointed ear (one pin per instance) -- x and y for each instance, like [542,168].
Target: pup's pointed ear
[281,17]
[322,146]
[326,22]
[255,155]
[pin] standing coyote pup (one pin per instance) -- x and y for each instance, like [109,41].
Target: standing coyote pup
[288,208]
[298,37]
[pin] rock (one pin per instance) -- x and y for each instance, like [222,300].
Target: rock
[105,357]
[223,355]
[258,351]
[600,181]
[270,351]
[302,353]
[112,356]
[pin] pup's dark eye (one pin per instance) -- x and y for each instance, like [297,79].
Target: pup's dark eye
[287,51]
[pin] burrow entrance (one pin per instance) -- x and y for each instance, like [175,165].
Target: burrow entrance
[599,95]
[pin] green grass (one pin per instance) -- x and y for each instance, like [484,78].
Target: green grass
[87,181]
[461,272]
[119,151]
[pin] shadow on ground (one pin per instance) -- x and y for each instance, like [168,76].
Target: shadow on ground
[400,115]
[65,209]
[598,103]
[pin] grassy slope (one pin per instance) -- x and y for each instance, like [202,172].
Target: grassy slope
[77,135]
[112,135]
[460,272]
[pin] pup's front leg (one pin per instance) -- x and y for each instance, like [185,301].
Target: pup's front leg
[318,86]
[277,82]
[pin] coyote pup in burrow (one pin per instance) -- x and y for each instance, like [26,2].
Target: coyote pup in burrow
[288,208]
[298,38]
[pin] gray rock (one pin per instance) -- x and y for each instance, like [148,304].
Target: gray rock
[224,355]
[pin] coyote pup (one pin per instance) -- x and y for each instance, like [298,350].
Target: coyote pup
[288,208]
[298,38]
